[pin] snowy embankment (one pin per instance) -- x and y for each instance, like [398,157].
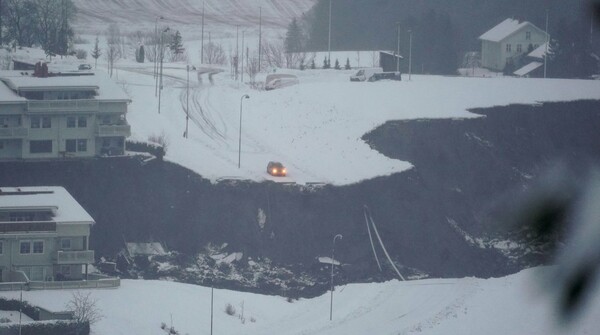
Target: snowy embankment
[511,305]
[314,128]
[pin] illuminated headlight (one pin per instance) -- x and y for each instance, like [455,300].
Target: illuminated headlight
[284,171]
[274,170]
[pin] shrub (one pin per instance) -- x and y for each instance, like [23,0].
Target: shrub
[151,148]
[81,54]
[229,309]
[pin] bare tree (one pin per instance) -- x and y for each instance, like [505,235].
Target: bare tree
[214,54]
[252,68]
[96,52]
[112,55]
[274,54]
[84,308]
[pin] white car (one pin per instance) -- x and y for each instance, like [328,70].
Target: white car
[275,81]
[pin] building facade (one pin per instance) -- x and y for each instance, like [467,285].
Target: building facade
[58,116]
[44,235]
[507,41]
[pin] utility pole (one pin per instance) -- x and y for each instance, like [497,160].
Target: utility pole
[410,55]
[332,263]
[547,42]
[237,50]
[202,47]
[212,300]
[162,56]
[329,41]
[187,103]
[242,58]
[259,37]
[21,309]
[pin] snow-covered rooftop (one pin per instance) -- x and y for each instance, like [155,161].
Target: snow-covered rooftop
[152,248]
[503,30]
[25,81]
[66,208]
[539,52]
[527,69]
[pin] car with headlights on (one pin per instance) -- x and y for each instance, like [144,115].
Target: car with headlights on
[276,169]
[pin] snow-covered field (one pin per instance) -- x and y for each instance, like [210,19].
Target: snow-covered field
[314,128]
[511,305]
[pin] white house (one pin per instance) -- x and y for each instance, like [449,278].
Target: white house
[61,115]
[44,240]
[509,40]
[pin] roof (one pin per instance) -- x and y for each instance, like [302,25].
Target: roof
[7,95]
[55,198]
[503,30]
[391,53]
[527,69]
[152,248]
[24,81]
[539,52]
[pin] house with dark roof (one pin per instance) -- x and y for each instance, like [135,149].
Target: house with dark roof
[508,41]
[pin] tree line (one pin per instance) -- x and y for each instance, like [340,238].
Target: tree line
[45,23]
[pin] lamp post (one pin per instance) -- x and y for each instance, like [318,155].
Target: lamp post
[410,55]
[332,263]
[156,55]
[160,76]
[398,49]
[187,102]
[245,96]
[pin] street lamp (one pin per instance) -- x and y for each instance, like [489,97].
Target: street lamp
[187,100]
[162,56]
[398,49]
[245,96]
[332,261]
[156,53]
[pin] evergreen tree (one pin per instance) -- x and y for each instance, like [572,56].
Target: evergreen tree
[176,45]
[325,64]
[509,68]
[347,66]
[294,40]
[302,66]
[141,54]
[313,66]
[337,65]
[96,52]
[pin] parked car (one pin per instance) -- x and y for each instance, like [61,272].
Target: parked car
[85,67]
[276,169]
[365,74]
[386,76]
[275,81]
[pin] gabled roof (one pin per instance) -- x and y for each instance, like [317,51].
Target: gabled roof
[504,29]
[539,52]
[525,70]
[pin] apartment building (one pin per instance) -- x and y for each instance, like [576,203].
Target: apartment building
[44,235]
[75,114]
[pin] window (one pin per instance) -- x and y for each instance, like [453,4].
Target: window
[71,146]
[82,122]
[65,244]
[35,122]
[508,47]
[106,119]
[65,270]
[81,145]
[46,122]
[519,48]
[38,247]
[25,247]
[528,35]
[40,147]
[18,217]
[71,122]
[1,249]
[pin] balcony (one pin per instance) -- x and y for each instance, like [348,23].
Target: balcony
[75,257]
[27,226]
[44,106]
[113,130]
[16,133]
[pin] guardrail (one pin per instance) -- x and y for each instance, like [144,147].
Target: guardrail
[63,105]
[113,130]
[62,285]
[75,257]
[16,132]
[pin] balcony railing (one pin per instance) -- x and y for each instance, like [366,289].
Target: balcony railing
[113,130]
[43,106]
[27,226]
[75,257]
[61,285]
[16,132]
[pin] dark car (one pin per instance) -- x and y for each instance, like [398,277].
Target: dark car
[85,67]
[276,169]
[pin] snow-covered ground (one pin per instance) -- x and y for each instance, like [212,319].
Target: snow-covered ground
[314,128]
[510,305]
